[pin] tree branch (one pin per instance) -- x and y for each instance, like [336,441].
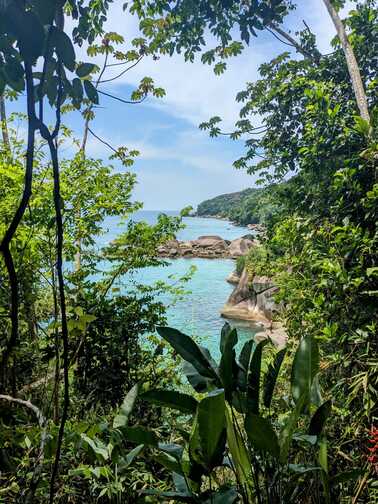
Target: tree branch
[353,68]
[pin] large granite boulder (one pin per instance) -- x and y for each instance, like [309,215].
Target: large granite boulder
[215,242]
[252,299]
[240,247]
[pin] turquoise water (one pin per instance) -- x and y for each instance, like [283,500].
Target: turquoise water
[197,314]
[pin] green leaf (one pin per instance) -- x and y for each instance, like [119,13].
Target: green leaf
[121,419]
[132,455]
[319,418]
[84,69]
[228,367]
[271,377]
[28,30]
[305,367]
[171,399]
[301,469]
[287,431]
[188,349]
[223,496]
[168,462]
[140,435]
[97,446]
[238,450]
[77,89]
[345,476]
[208,439]
[253,379]
[171,496]
[91,91]
[64,48]
[261,434]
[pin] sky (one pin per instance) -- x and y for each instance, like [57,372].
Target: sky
[180,165]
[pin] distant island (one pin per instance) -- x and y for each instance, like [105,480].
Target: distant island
[250,206]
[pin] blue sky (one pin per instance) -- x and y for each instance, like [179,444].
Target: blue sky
[180,165]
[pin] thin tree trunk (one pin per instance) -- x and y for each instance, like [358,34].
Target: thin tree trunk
[354,70]
[4,125]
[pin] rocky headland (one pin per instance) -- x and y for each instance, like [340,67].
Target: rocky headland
[208,247]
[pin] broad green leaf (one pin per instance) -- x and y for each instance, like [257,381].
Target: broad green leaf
[140,435]
[226,329]
[121,419]
[168,462]
[171,399]
[63,47]
[345,476]
[173,449]
[287,431]
[188,349]
[91,91]
[28,30]
[305,367]
[298,468]
[228,367]
[211,427]
[238,450]
[132,455]
[271,377]
[223,496]
[196,380]
[253,379]
[319,418]
[84,69]
[97,446]
[261,434]
[77,89]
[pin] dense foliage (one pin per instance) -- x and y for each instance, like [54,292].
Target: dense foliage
[251,206]
[79,360]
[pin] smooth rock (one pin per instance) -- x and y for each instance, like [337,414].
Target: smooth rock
[240,247]
[233,278]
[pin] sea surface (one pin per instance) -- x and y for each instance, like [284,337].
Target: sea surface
[197,313]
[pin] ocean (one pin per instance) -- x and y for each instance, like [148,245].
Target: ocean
[198,312]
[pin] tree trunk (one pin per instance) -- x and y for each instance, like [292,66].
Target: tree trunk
[354,70]
[4,125]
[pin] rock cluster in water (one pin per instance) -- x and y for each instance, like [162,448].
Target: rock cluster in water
[208,247]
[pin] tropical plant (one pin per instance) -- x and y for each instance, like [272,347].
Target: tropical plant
[240,447]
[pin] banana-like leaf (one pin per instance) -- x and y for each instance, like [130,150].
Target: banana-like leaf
[228,368]
[212,428]
[140,435]
[222,496]
[189,351]
[319,418]
[171,399]
[168,462]
[261,434]
[239,452]
[121,419]
[271,377]
[287,431]
[226,329]
[254,377]
[305,367]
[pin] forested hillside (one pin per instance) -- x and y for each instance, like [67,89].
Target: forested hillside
[251,206]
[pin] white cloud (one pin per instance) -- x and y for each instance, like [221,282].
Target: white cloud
[194,93]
